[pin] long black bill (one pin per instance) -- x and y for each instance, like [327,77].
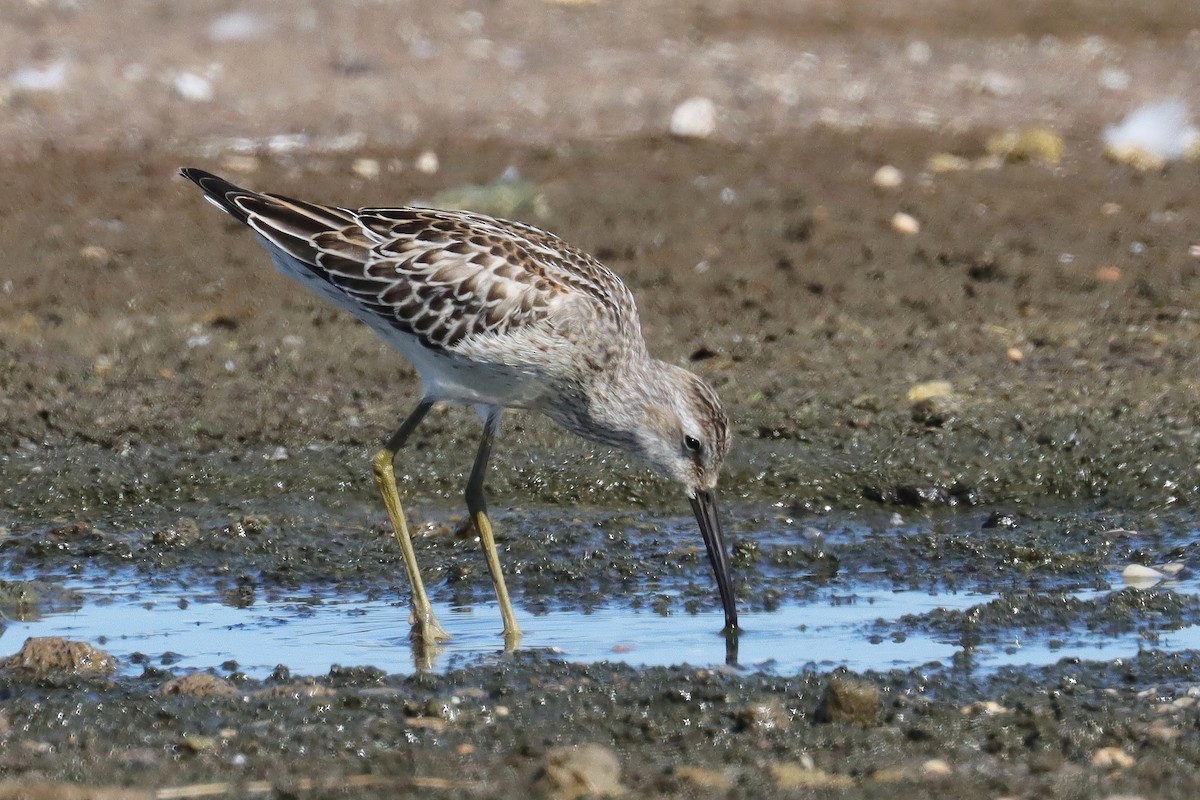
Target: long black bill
[704,504]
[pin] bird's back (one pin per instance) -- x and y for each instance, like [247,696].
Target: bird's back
[458,284]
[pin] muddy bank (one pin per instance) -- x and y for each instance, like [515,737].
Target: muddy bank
[1057,302]
[1075,730]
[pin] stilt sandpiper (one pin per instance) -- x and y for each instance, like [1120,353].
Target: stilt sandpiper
[499,315]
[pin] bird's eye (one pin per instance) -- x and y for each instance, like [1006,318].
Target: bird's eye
[691,444]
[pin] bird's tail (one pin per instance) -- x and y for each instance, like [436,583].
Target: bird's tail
[220,192]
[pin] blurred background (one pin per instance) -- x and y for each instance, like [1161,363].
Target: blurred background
[143,73]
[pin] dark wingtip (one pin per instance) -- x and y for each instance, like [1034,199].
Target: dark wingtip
[218,191]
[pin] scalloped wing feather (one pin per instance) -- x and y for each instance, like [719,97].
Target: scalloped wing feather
[443,276]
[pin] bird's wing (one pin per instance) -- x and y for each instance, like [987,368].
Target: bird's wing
[442,276]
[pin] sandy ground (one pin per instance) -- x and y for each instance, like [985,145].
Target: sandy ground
[153,367]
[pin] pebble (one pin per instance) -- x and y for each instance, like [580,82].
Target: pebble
[586,769]
[918,52]
[1108,274]
[704,778]
[929,390]
[51,78]
[905,223]
[1114,79]
[242,164]
[847,700]
[95,254]
[237,26]
[365,168]
[1015,355]
[987,708]
[1141,577]
[427,163]
[185,531]
[998,84]
[1111,758]
[1031,144]
[887,177]
[694,118]
[936,768]
[198,684]
[48,655]
[793,775]
[765,715]
[947,162]
[193,88]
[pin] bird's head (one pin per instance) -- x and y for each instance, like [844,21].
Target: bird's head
[685,433]
[685,436]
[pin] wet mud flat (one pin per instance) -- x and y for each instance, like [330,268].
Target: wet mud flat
[501,723]
[177,412]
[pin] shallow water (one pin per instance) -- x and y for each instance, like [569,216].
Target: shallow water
[187,629]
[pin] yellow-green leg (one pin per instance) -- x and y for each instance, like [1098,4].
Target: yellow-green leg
[426,628]
[477,506]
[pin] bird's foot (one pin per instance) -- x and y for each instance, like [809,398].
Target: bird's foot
[426,629]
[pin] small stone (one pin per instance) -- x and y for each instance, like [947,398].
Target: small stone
[51,78]
[1114,79]
[905,223]
[847,700]
[998,84]
[237,26]
[280,454]
[918,52]
[1030,144]
[198,744]
[1003,520]
[95,254]
[427,163]
[48,655]
[986,708]
[185,531]
[193,88]
[198,684]
[1108,274]
[588,769]
[1111,209]
[1015,355]
[1163,731]
[930,390]
[704,777]
[889,775]
[947,162]
[242,164]
[1111,758]
[694,118]
[367,168]
[887,177]
[1141,577]
[936,768]
[764,715]
[791,775]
